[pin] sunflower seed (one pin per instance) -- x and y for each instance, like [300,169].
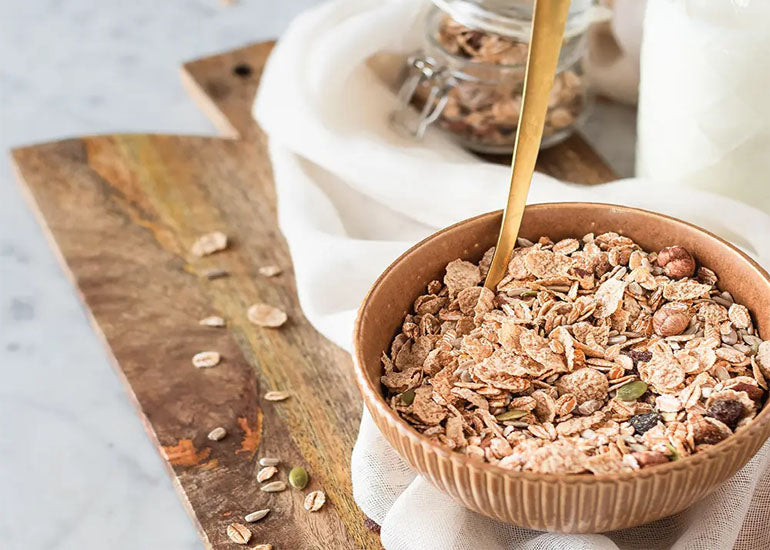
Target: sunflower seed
[206,359]
[209,243]
[266,473]
[267,546]
[268,461]
[212,321]
[274,487]
[269,270]
[256,516]
[277,395]
[217,434]
[238,533]
[314,501]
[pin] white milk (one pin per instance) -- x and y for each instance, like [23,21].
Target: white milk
[704,98]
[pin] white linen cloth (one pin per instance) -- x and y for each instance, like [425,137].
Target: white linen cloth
[353,195]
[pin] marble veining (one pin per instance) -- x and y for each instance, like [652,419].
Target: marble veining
[76,468]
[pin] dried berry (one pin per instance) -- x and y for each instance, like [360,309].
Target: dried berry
[676,262]
[644,422]
[639,355]
[726,411]
[754,392]
[671,319]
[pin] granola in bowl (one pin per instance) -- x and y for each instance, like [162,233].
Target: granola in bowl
[593,355]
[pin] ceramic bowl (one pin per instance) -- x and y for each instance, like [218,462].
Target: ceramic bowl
[582,503]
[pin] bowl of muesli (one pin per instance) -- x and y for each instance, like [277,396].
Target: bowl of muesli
[616,375]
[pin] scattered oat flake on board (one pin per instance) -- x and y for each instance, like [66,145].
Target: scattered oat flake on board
[256,516]
[206,359]
[277,395]
[314,501]
[266,473]
[265,315]
[269,270]
[217,434]
[209,243]
[238,533]
[212,321]
[215,273]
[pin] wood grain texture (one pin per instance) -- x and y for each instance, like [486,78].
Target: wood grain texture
[122,212]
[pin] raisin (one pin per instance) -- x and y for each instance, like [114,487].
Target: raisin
[638,355]
[726,411]
[644,422]
[372,525]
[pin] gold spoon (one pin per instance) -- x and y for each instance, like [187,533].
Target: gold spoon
[548,21]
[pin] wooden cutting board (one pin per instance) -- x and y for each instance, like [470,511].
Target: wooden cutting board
[122,212]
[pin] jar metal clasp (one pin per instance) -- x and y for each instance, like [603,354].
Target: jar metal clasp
[421,71]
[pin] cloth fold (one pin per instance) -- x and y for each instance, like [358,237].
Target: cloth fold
[353,194]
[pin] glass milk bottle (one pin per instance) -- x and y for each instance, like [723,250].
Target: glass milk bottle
[704,108]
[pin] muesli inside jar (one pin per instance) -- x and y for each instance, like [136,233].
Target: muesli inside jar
[470,80]
[592,355]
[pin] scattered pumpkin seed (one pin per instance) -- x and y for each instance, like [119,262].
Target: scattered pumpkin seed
[529,293]
[206,359]
[298,477]
[266,473]
[632,391]
[277,395]
[238,533]
[256,516]
[273,487]
[268,461]
[314,501]
[217,434]
[408,397]
[513,414]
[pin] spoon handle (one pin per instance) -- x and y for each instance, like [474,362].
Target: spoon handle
[548,22]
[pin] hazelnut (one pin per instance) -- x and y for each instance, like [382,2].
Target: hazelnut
[671,319]
[676,262]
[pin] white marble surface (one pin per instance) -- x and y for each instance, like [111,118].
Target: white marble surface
[76,468]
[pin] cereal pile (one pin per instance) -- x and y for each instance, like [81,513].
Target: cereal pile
[489,113]
[592,356]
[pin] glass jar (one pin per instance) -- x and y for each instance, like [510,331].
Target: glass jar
[468,78]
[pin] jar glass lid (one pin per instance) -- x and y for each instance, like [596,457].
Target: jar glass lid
[513,18]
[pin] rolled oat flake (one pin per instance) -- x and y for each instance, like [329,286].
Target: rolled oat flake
[217,433]
[209,243]
[267,316]
[238,533]
[314,501]
[206,359]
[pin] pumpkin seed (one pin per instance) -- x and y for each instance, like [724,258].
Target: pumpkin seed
[529,293]
[298,477]
[513,414]
[408,397]
[632,391]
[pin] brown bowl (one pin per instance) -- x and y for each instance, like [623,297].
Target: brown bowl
[582,503]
